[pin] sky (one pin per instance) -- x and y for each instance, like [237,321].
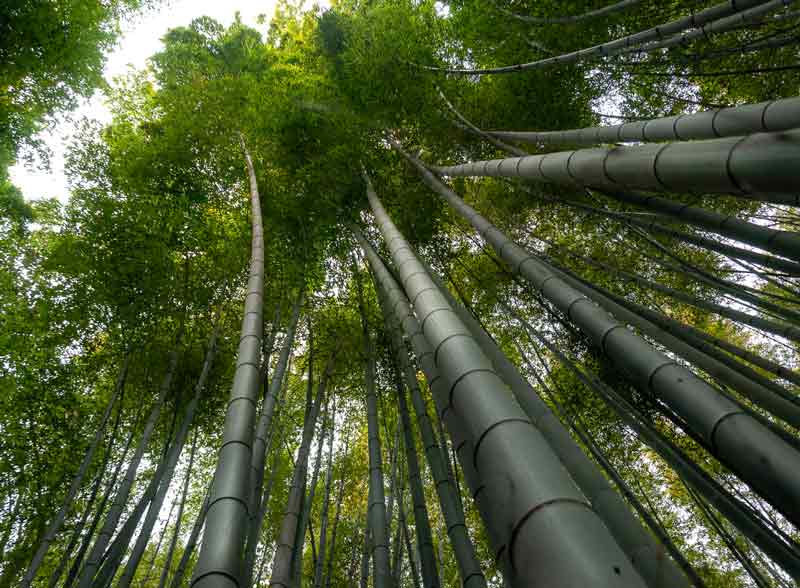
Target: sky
[141,38]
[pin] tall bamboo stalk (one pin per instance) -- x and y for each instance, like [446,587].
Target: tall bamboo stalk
[430,575]
[506,450]
[758,166]
[58,520]
[771,116]
[167,568]
[756,454]
[260,442]
[221,553]
[123,492]
[282,560]
[376,510]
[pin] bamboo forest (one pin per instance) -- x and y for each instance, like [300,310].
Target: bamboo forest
[403,293]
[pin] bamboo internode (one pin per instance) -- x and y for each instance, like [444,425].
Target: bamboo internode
[770,116]
[524,485]
[755,453]
[761,166]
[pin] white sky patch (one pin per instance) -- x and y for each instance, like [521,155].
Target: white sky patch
[141,38]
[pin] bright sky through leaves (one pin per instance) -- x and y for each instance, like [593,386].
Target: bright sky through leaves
[141,39]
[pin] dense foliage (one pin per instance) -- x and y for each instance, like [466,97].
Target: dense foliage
[150,256]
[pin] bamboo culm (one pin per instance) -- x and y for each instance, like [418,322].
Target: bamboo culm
[491,138]
[308,500]
[391,299]
[323,531]
[151,565]
[684,341]
[616,46]
[782,330]
[172,461]
[123,492]
[763,117]
[220,561]
[650,520]
[761,458]
[167,568]
[507,451]
[430,575]
[282,559]
[58,520]
[260,441]
[720,25]
[90,503]
[589,14]
[376,510]
[191,542]
[654,228]
[336,516]
[736,512]
[643,551]
[77,561]
[758,166]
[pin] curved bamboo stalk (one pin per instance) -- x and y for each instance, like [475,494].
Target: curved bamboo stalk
[589,14]
[783,330]
[786,243]
[651,520]
[756,454]
[220,559]
[761,166]
[490,137]
[720,25]
[507,450]
[680,339]
[617,46]
[733,121]
[738,513]
[653,227]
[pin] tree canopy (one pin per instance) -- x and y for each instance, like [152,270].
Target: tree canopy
[129,312]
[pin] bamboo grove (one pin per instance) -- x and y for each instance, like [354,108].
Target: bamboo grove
[471,293]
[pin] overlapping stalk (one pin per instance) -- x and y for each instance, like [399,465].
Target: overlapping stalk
[282,560]
[756,454]
[396,314]
[761,166]
[524,489]
[376,508]
[764,117]
[219,564]
[589,14]
[58,520]
[617,46]
[260,442]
